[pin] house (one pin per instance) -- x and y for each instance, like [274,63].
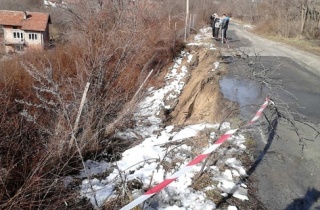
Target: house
[24,30]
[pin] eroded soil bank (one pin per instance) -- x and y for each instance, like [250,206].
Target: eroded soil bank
[201,98]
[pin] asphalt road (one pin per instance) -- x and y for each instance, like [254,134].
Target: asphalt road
[288,174]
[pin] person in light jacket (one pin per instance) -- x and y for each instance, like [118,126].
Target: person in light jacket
[217,25]
[224,28]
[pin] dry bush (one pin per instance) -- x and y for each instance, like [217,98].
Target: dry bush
[266,27]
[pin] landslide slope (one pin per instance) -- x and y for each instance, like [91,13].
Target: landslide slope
[201,98]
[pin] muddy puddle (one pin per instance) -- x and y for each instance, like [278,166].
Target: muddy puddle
[247,93]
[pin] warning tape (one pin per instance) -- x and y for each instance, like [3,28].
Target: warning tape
[195,161]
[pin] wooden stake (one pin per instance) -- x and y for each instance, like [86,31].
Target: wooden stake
[76,123]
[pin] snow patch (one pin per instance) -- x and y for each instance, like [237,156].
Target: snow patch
[189,58]
[216,65]
[233,189]
[236,164]
[248,26]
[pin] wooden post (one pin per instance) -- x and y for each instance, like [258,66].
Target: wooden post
[143,84]
[76,123]
[175,35]
[193,20]
[189,28]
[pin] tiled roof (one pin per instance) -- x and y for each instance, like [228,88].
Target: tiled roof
[35,21]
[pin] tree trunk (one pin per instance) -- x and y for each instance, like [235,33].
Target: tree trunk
[304,16]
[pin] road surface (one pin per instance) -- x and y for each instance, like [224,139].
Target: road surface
[288,177]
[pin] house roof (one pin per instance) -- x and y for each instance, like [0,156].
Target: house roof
[35,21]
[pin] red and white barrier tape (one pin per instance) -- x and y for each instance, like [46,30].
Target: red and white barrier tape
[195,161]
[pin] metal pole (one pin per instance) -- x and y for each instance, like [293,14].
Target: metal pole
[186,24]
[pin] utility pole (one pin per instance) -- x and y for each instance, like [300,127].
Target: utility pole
[187,17]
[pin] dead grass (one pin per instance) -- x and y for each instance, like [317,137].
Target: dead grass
[214,194]
[198,142]
[204,181]
[114,203]
[250,142]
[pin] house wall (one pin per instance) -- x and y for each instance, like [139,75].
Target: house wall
[8,35]
[29,40]
[9,40]
[36,40]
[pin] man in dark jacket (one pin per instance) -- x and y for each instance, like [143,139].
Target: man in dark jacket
[224,28]
[213,20]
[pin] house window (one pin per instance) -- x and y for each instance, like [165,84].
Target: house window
[33,36]
[17,35]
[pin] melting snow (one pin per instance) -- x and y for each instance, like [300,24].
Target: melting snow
[216,65]
[248,26]
[189,58]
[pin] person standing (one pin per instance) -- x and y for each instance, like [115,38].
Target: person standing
[217,24]
[224,28]
[213,19]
